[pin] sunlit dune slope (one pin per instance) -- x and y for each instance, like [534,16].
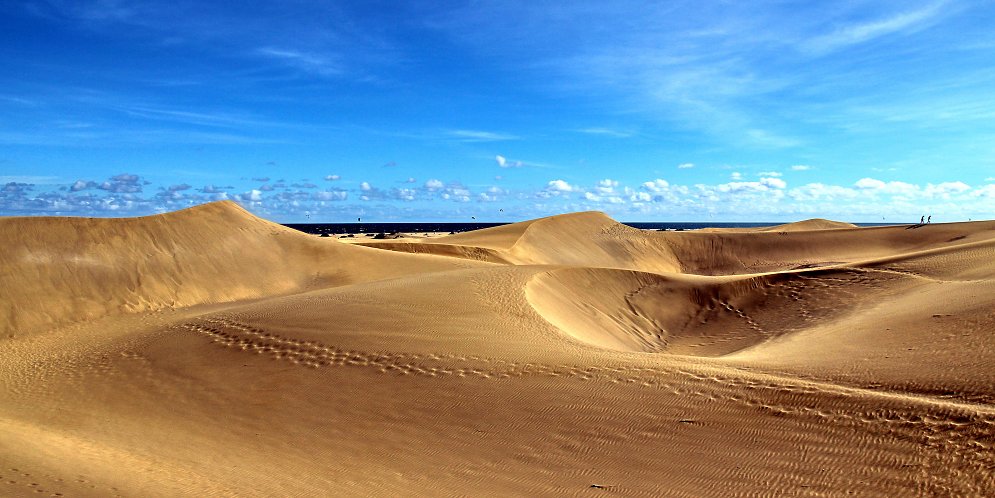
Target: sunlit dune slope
[812,224]
[804,225]
[645,312]
[587,238]
[717,253]
[60,270]
[595,240]
[208,352]
[848,324]
[794,296]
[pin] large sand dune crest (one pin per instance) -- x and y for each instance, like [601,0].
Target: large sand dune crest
[595,240]
[85,268]
[210,352]
[586,239]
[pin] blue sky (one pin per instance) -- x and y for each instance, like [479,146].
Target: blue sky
[299,110]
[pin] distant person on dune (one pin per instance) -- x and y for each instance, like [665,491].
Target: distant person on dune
[929,219]
[922,219]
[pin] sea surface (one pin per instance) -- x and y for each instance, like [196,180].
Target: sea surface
[342,228]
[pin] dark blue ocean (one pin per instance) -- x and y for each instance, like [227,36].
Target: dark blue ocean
[340,228]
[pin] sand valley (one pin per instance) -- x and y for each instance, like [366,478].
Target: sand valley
[210,352]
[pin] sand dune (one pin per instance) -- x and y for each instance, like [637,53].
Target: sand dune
[211,352]
[593,239]
[85,268]
[797,226]
[589,238]
[812,224]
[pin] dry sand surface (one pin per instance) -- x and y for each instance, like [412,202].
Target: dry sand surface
[209,352]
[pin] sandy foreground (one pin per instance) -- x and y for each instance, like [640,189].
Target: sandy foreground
[210,352]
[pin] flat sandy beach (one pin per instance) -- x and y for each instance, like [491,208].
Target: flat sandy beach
[210,352]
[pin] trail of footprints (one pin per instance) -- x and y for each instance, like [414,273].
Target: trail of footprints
[16,481]
[802,292]
[314,354]
[232,334]
[950,431]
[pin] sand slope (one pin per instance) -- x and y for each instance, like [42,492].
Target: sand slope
[797,226]
[587,238]
[84,268]
[210,352]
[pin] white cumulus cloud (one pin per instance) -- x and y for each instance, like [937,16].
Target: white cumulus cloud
[331,195]
[986,191]
[869,184]
[890,188]
[606,186]
[560,186]
[658,185]
[504,162]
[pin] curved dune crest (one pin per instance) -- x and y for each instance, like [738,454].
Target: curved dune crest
[587,238]
[811,224]
[795,226]
[598,307]
[475,253]
[558,356]
[744,252]
[498,238]
[633,311]
[592,239]
[62,270]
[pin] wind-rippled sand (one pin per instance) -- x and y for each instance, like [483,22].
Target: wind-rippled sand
[210,352]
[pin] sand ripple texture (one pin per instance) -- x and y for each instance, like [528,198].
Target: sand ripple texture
[208,352]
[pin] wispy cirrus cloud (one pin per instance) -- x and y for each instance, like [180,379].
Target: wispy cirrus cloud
[504,162]
[608,132]
[130,136]
[327,39]
[32,179]
[480,136]
[215,119]
[324,65]
[692,68]
[858,32]
[101,11]
[858,88]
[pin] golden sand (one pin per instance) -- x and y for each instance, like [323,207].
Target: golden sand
[210,352]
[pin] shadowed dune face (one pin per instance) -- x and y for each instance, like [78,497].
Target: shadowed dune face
[592,239]
[719,252]
[643,312]
[474,253]
[208,352]
[614,309]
